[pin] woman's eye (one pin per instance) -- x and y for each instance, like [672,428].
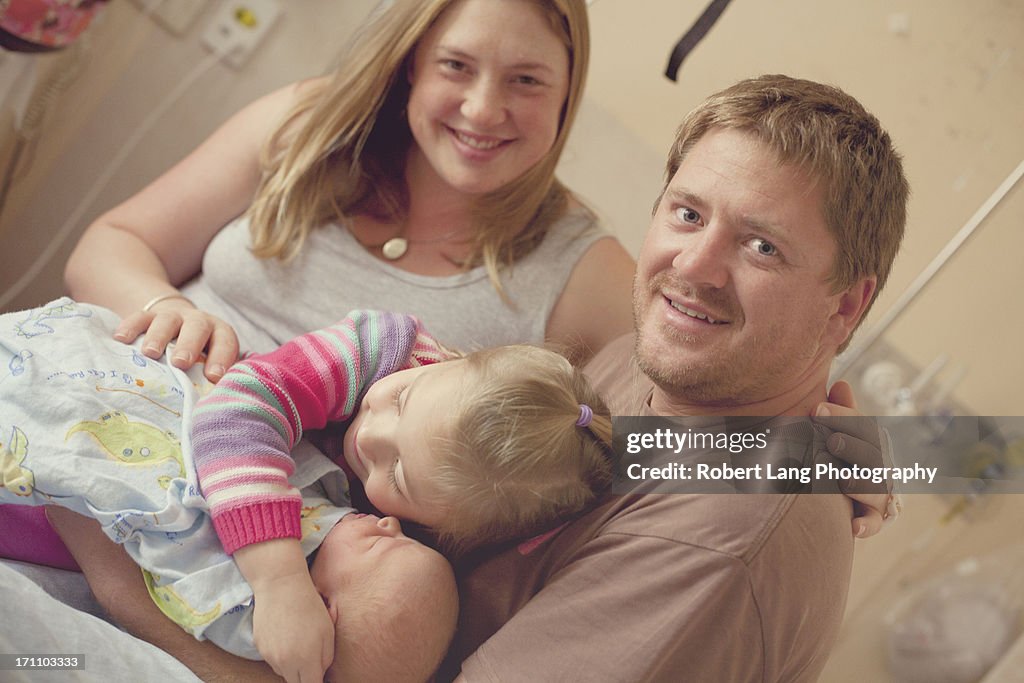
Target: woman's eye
[453,64]
[764,247]
[527,80]
[688,215]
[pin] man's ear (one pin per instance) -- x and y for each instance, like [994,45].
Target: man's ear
[850,306]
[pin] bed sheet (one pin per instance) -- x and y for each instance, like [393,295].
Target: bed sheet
[36,622]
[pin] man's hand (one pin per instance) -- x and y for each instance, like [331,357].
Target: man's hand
[858,441]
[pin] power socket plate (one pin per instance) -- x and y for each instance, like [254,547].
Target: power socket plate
[239,26]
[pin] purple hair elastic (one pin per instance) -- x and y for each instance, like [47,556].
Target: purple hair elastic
[586,415]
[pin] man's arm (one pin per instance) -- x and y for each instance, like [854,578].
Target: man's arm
[118,585]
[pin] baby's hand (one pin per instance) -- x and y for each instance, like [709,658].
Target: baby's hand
[292,629]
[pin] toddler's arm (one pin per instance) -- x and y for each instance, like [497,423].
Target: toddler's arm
[244,430]
[291,626]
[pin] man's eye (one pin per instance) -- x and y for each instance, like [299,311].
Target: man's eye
[687,215]
[764,247]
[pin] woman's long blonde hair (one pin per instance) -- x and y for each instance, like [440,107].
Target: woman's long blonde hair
[342,149]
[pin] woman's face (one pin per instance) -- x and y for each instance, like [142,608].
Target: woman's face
[488,84]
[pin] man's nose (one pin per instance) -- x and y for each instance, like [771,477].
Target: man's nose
[703,258]
[484,104]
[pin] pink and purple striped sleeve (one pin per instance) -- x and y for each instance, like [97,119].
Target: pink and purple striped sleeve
[244,429]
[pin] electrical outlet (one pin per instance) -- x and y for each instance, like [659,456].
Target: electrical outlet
[239,26]
[174,15]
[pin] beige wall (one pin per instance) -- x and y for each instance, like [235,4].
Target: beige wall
[947,78]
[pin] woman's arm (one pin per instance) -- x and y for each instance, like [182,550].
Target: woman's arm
[118,585]
[596,305]
[155,240]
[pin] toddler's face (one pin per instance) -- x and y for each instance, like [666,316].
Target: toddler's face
[389,443]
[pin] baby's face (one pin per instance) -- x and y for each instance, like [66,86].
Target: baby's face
[356,548]
[389,443]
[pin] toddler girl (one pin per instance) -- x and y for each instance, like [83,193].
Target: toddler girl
[498,444]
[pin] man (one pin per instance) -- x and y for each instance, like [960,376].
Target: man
[783,209]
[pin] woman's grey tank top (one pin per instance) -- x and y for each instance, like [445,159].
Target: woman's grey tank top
[269,302]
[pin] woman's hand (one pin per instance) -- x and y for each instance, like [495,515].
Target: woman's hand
[859,441]
[194,330]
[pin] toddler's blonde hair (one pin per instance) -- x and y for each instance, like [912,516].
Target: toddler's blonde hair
[514,461]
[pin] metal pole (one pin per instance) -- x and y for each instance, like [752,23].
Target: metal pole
[846,360]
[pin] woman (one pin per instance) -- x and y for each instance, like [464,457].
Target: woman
[419,177]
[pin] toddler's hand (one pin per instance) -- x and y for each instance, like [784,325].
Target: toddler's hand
[292,629]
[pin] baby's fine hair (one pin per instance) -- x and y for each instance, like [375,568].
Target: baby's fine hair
[515,461]
[394,626]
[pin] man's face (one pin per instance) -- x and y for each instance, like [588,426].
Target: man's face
[730,297]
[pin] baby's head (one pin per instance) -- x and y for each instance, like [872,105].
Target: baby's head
[393,601]
[483,448]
